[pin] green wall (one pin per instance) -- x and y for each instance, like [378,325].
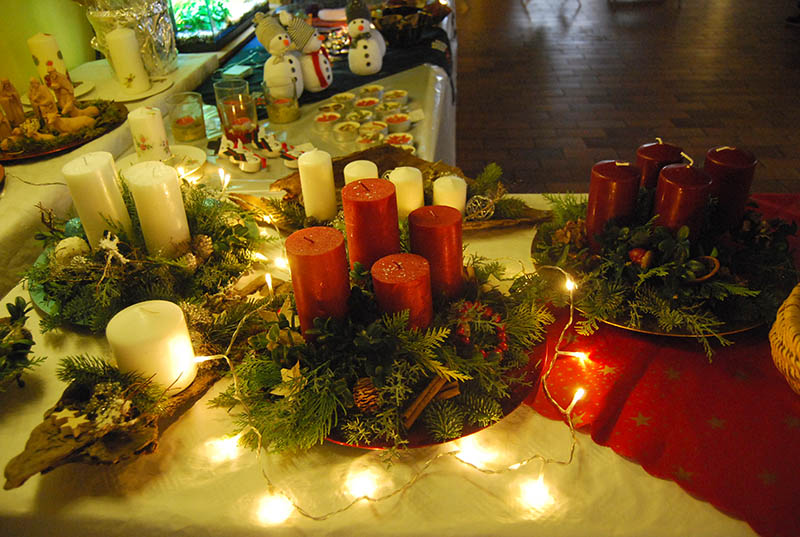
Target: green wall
[21,19]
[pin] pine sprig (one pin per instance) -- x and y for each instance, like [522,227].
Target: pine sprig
[444,420]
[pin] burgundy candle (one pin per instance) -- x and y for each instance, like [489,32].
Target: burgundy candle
[320,278]
[403,282]
[650,158]
[613,189]
[435,234]
[731,170]
[370,218]
[682,197]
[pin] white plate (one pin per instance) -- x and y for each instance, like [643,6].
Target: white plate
[80,90]
[193,158]
[155,88]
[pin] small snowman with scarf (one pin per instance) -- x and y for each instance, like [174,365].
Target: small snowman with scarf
[315,62]
[283,65]
[367,46]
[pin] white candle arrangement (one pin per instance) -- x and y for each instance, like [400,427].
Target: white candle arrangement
[152,338]
[360,169]
[149,134]
[316,183]
[157,194]
[46,53]
[408,185]
[126,58]
[450,190]
[92,181]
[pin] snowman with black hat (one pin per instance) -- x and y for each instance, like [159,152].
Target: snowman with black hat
[367,45]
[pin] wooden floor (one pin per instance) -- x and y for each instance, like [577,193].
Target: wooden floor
[546,88]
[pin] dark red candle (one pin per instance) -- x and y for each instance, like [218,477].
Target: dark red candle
[682,197]
[370,218]
[650,158]
[613,189]
[403,282]
[731,170]
[320,278]
[435,234]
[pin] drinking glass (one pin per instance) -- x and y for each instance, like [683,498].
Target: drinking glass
[281,101]
[237,110]
[186,116]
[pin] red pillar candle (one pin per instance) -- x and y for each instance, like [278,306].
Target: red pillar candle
[682,197]
[650,158]
[320,278]
[613,189]
[370,218]
[403,282]
[731,170]
[435,234]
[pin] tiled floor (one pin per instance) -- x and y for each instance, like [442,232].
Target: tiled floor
[547,87]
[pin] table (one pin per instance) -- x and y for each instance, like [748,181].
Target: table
[183,489]
[30,183]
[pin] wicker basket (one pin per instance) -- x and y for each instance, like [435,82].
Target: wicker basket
[784,338]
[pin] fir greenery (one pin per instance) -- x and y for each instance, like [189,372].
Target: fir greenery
[670,291]
[15,344]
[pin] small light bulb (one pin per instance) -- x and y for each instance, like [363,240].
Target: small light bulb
[362,484]
[268,279]
[579,393]
[274,509]
[570,284]
[535,494]
[281,262]
[223,449]
[258,256]
[582,357]
[469,450]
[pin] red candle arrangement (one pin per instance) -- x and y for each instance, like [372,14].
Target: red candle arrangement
[731,169]
[403,282]
[435,234]
[682,197]
[650,158]
[613,189]
[320,278]
[370,217]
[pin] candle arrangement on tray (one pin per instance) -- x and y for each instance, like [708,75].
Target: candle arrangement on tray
[668,248]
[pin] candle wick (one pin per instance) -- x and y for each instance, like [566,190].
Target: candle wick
[397,263]
[659,140]
[85,162]
[365,187]
[309,239]
[623,163]
[725,148]
[687,157]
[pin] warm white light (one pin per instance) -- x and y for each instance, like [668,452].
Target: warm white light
[180,171]
[263,232]
[469,450]
[579,393]
[582,357]
[361,484]
[268,279]
[281,262]
[570,284]
[267,219]
[535,494]
[224,178]
[274,509]
[223,449]
[258,256]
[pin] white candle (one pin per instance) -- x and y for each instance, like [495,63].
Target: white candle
[157,194]
[46,53]
[450,190]
[316,182]
[408,185]
[126,58]
[360,169]
[92,181]
[149,134]
[152,338]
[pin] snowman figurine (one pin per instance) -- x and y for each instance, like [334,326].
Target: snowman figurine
[367,46]
[315,62]
[283,65]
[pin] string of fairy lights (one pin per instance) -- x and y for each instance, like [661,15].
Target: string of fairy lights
[275,507]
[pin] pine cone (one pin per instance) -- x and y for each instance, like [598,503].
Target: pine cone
[189,260]
[366,396]
[202,246]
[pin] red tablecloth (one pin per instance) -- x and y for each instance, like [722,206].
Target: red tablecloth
[728,432]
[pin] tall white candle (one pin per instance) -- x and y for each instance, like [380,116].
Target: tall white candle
[408,185]
[360,169]
[450,190]
[126,58]
[316,182]
[157,194]
[92,181]
[152,338]
[46,53]
[149,134]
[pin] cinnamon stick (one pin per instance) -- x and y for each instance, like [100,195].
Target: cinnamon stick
[413,412]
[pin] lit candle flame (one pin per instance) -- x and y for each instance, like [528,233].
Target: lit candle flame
[268,279]
[274,509]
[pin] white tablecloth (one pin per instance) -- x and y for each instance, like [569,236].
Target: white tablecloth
[41,181]
[182,489]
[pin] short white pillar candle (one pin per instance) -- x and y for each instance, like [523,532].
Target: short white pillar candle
[157,194]
[93,183]
[316,182]
[126,58]
[46,53]
[360,169]
[152,338]
[149,134]
[408,185]
[450,190]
